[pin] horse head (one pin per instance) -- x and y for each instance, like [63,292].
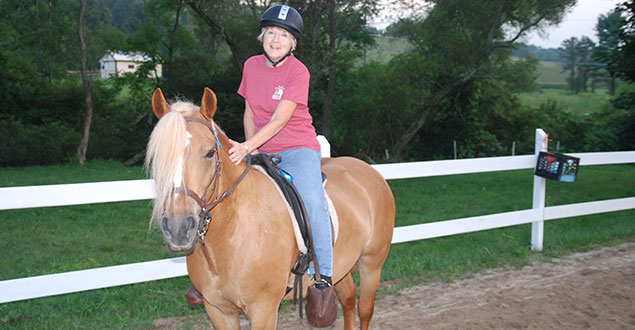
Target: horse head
[184,161]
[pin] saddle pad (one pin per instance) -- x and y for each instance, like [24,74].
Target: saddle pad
[296,229]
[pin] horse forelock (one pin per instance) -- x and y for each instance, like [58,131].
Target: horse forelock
[166,152]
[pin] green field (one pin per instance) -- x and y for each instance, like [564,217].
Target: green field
[386,48]
[550,75]
[552,87]
[581,104]
[59,239]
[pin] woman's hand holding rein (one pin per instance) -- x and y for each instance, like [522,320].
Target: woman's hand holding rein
[238,151]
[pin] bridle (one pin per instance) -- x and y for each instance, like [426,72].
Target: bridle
[205,216]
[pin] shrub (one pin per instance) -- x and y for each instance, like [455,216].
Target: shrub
[624,122]
[27,144]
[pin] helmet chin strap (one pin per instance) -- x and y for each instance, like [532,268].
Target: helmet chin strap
[275,63]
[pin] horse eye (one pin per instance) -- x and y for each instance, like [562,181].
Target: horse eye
[210,154]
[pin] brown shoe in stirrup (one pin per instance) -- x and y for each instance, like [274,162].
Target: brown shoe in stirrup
[321,307]
[194,297]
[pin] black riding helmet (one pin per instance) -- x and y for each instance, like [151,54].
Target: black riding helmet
[285,17]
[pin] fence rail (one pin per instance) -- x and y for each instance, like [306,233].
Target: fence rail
[101,192]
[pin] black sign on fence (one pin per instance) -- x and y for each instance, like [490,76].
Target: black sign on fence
[556,166]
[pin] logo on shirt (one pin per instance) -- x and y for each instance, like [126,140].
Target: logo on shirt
[277,93]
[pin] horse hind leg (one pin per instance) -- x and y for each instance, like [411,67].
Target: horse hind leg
[346,294]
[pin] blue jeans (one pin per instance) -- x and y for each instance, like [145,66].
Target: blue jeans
[304,166]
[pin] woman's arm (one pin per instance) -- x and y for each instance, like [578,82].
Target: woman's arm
[280,117]
[248,122]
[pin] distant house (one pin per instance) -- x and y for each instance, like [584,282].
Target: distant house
[117,64]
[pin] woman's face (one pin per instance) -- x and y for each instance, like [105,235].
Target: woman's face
[277,42]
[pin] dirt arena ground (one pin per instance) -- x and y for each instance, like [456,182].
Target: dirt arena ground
[592,290]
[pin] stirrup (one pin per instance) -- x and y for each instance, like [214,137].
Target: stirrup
[324,283]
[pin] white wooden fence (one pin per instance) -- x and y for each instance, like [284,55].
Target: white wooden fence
[101,192]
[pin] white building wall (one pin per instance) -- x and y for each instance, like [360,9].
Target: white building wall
[107,66]
[113,65]
[126,66]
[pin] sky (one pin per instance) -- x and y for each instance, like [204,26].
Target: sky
[579,21]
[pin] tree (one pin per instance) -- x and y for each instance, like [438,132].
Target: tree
[460,42]
[608,29]
[584,51]
[568,52]
[622,64]
[376,103]
[161,34]
[234,23]
[335,35]
[88,105]
[48,43]
[577,55]
[625,53]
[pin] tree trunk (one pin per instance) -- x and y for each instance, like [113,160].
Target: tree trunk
[88,106]
[572,75]
[173,33]
[330,87]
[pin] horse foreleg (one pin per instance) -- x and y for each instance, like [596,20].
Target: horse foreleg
[369,276]
[222,320]
[346,294]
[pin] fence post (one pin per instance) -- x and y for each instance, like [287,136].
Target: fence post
[540,184]
[325,146]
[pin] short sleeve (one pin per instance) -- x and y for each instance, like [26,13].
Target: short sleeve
[298,86]
[242,89]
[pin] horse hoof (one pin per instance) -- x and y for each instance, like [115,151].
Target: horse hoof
[194,297]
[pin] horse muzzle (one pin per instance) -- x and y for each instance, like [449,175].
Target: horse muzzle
[180,233]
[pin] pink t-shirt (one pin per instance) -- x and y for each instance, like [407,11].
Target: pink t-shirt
[264,87]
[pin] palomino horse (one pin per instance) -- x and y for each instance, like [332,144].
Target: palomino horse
[247,247]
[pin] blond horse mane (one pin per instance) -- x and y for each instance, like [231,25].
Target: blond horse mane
[166,152]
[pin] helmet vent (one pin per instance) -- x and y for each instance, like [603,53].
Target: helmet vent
[283,12]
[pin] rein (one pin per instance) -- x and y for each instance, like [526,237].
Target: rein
[207,205]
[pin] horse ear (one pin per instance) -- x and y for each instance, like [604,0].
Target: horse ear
[208,104]
[159,105]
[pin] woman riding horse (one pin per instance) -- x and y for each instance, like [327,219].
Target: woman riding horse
[232,221]
[275,86]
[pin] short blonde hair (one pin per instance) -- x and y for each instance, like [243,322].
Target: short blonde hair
[294,42]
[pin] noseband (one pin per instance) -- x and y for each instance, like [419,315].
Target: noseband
[207,205]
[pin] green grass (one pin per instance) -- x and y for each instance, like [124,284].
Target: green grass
[550,75]
[553,87]
[93,171]
[386,48]
[581,104]
[59,239]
